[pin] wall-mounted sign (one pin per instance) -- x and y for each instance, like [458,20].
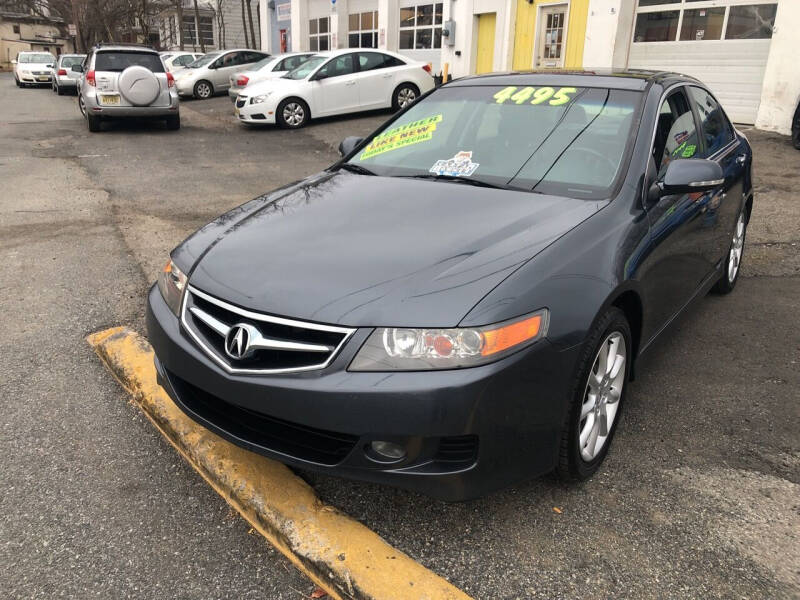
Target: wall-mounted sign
[283,12]
[73,31]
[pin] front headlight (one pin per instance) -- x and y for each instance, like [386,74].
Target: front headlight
[404,349]
[172,283]
[261,98]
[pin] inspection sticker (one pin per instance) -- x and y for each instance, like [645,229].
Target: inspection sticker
[460,165]
[400,137]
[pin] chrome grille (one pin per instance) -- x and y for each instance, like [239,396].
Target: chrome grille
[243,341]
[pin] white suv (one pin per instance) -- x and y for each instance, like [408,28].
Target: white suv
[121,81]
[33,68]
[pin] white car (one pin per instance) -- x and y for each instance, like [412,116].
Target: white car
[211,74]
[175,61]
[333,83]
[33,68]
[269,68]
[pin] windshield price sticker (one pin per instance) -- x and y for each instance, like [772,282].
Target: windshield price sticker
[400,137]
[554,97]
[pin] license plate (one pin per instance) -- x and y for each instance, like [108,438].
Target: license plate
[109,99]
[43,78]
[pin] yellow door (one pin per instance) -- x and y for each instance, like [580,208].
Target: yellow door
[487,23]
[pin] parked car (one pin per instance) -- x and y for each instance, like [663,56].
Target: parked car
[269,68]
[332,83]
[33,68]
[459,303]
[64,78]
[211,74]
[175,61]
[120,81]
[796,127]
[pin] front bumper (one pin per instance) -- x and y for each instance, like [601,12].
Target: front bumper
[37,79]
[466,432]
[262,113]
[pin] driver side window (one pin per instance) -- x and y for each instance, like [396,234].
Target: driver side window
[341,65]
[676,134]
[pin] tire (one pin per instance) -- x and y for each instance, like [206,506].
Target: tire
[81,105]
[292,113]
[53,86]
[577,460]
[17,81]
[173,122]
[59,91]
[733,260]
[404,95]
[796,128]
[93,122]
[203,90]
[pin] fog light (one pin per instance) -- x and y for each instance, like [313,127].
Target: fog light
[388,450]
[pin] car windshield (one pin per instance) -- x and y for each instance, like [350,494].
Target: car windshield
[203,60]
[306,68]
[68,61]
[119,60]
[37,58]
[567,141]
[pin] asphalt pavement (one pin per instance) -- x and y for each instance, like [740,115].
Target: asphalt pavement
[699,497]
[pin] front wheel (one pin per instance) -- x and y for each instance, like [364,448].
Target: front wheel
[203,90]
[733,260]
[17,81]
[597,397]
[796,128]
[405,95]
[292,113]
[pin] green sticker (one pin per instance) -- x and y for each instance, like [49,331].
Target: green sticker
[538,95]
[400,137]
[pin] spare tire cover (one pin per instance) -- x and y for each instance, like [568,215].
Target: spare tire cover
[138,85]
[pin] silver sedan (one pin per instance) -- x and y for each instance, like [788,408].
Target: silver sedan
[64,78]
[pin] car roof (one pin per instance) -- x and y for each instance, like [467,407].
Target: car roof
[124,48]
[630,79]
[339,52]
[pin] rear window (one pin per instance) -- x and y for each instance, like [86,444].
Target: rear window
[68,61]
[120,60]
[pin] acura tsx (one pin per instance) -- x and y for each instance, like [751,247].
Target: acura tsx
[460,301]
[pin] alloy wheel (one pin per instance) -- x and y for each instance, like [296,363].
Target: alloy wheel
[737,246]
[203,90]
[293,114]
[405,97]
[601,396]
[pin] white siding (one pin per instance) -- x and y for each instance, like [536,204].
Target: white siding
[732,69]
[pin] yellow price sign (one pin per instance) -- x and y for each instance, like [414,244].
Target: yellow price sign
[540,95]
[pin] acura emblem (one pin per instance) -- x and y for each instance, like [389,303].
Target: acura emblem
[238,340]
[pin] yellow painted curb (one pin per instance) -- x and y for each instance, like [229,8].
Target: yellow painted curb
[339,554]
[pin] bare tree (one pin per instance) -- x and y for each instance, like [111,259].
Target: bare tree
[253,42]
[244,26]
[197,28]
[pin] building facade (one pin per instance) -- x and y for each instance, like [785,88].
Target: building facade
[219,24]
[742,49]
[22,31]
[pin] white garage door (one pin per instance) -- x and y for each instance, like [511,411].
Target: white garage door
[723,43]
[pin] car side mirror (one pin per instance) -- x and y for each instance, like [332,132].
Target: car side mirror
[348,144]
[319,76]
[687,175]
[77,68]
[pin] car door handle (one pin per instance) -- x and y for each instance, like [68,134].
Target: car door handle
[387,76]
[740,160]
[350,83]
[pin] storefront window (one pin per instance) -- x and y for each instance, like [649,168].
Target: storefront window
[421,26]
[656,26]
[363,30]
[702,24]
[319,37]
[751,22]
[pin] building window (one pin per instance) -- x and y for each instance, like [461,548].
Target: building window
[319,34]
[16,28]
[206,30]
[657,21]
[421,26]
[363,30]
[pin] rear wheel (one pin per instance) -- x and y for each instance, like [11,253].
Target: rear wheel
[53,86]
[203,90]
[292,113]
[59,91]
[405,95]
[93,122]
[174,122]
[597,397]
[796,128]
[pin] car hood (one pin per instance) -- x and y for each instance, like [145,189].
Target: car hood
[262,85]
[366,251]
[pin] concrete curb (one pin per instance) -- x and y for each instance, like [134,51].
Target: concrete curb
[342,556]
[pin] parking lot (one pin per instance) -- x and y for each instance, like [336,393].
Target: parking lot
[699,496]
